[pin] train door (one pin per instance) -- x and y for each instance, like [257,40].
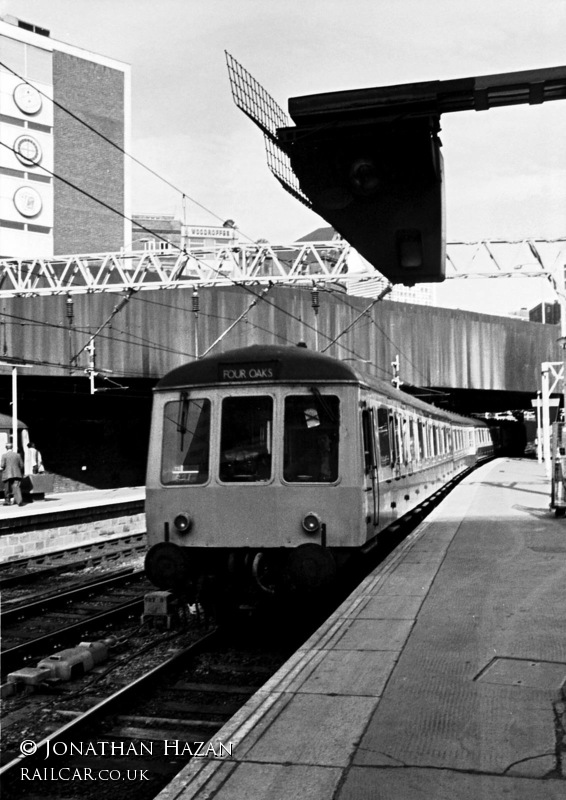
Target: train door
[371,485]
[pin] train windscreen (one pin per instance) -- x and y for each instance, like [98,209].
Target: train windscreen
[245,439]
[186,441]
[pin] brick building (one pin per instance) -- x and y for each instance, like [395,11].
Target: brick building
[63,188]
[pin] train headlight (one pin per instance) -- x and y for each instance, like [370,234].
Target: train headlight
[311,522]
[183,523]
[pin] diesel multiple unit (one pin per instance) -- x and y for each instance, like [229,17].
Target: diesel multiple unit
[271,466]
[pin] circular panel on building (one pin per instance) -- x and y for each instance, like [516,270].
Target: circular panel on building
[27,98]
[28,201]
[27,150]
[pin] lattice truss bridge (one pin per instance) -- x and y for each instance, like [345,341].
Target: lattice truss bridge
[263,263]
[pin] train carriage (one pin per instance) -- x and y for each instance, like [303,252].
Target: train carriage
[270,466]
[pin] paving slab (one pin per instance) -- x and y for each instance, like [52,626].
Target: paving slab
[409,783]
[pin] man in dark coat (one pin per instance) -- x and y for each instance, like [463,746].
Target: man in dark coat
[12,468]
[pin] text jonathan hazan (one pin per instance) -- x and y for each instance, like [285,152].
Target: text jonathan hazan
[168,747]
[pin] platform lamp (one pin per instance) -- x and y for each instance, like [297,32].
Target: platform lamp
[14,364]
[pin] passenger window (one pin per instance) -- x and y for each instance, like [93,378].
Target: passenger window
[186,441]
[422,448]
[312,433]
[245,439]
[368,439]
[393,439]
[401,449]
[384,442]
[408,440]
[416,441]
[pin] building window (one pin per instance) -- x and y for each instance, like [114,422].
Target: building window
[33,63]
[13,55]
[39,65]
[6,223]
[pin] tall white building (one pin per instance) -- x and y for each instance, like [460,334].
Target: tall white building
[63,187]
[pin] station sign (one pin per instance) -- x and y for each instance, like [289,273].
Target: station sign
[208,232]
[243,372]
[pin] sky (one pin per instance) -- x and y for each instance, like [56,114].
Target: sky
[505,169]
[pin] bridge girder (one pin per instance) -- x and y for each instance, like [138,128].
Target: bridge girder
[261,263]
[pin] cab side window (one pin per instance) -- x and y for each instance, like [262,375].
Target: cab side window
[312,438]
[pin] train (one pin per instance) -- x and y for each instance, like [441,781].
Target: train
[271,466]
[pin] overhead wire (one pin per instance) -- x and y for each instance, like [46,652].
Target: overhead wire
[125,153]
[109,141]
[26,321]
[129,219]
[181,192]
[385,336]
[208,266]
[120,149]
[130,338]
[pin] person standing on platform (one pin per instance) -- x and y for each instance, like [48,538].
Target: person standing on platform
[12,468]
[33,460]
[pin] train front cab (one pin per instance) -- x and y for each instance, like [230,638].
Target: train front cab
[260,481]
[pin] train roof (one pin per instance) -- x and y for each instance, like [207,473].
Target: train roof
[287,364]
[260,364]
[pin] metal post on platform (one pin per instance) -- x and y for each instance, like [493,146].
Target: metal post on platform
[539,427]
[14,367]
[548,370]
[546,417]
[70,320]
[15,409]
[562,302]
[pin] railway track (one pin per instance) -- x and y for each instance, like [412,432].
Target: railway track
[37,568]
[38,627]
[146,731]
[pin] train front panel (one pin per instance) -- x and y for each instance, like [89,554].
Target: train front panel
[247,472]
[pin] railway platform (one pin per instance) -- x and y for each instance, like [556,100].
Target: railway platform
[69,518]
[442,675]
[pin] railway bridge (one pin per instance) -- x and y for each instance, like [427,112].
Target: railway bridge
[90,345]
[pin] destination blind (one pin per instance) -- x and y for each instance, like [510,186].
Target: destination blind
[257,371]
